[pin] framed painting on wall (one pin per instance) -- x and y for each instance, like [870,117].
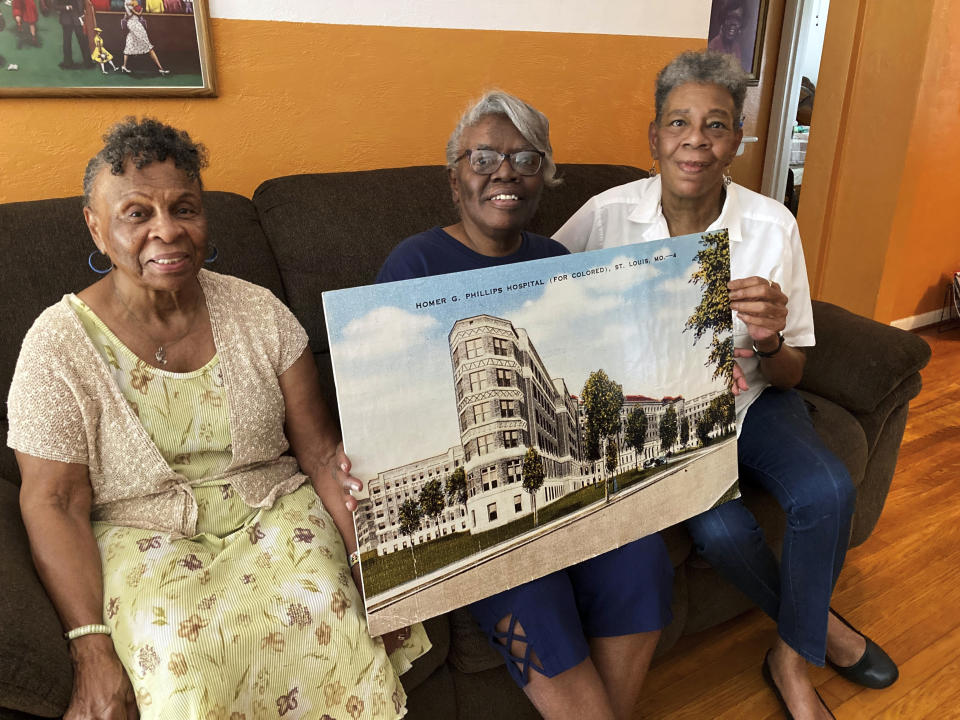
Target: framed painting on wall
[736,27]
[120,48]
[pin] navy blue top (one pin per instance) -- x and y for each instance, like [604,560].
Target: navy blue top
[436,252]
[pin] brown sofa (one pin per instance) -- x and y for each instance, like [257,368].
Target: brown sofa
[303,234]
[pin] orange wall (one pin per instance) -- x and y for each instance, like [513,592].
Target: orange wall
[925,240]
[310,97]
[878,213]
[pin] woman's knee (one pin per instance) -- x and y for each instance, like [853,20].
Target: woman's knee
[724,532]
[826,495]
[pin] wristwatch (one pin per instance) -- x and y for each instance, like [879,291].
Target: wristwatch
[760,353]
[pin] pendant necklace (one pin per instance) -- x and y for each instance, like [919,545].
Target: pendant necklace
[160,355]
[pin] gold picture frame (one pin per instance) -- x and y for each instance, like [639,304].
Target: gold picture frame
[737,27]
[127,48]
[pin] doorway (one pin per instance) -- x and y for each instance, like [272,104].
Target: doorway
[798,69]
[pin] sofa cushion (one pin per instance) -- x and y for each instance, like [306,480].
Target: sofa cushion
[857,362]
[840,432]
[320,225]
[438,630]
[36,674]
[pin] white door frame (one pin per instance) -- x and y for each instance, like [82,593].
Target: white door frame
[797,19]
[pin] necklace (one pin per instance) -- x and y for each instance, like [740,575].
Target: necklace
[160,355]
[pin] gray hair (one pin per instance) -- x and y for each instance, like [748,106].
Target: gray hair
[530,122]
[706,67]
[143,142]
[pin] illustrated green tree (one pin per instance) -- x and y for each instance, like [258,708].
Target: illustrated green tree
[668,428]
[456,488]
[722,411]
[591,443]
[602,399]
[532,474]
[684,431]
[712,313]
[613,453]
[409,515]
[704,426]
[636,432]
[431,500]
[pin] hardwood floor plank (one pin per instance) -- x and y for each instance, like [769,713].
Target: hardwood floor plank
[901,587]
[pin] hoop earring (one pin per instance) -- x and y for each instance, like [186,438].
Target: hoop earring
[212,257]
[652,172]
[97,270]
[726,177]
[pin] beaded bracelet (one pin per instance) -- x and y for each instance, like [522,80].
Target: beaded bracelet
[87,630]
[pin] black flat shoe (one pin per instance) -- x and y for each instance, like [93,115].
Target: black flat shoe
[875,669]
[768,676]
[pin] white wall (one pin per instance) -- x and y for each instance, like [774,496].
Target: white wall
[810,62]
[664,18]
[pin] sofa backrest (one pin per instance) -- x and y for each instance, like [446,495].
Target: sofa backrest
[45,244]
[334,230]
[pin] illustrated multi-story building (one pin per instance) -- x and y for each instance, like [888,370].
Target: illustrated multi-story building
[507,402]
[378,516]
[654,409]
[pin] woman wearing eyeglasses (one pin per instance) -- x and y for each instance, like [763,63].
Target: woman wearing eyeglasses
[578,641]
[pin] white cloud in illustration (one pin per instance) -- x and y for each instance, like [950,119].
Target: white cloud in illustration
[383,331]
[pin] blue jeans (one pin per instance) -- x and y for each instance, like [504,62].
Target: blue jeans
[779,451]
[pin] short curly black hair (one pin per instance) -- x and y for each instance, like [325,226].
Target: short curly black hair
[143,142]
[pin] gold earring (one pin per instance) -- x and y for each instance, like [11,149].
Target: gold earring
[726,177]
[652,172]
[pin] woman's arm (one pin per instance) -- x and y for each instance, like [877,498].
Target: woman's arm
[315,442]
[762,306]
[55,500]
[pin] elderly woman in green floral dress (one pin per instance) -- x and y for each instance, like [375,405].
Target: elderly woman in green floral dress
[199,569]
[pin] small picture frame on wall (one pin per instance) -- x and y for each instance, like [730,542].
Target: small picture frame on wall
[736,27]
[118,48]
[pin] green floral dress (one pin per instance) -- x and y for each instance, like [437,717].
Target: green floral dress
[257,615]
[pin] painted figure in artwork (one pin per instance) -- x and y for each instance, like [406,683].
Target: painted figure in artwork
[137,41]
[730,36]
[100,54]
[71,24]
[25,13]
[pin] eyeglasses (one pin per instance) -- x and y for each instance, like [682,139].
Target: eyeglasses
[487,162]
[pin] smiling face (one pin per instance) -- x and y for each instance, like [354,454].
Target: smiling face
[695,140]
[151,223]
[498,206]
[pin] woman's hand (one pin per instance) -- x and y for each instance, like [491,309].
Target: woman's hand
[739,383]
[101,688]
[760,304]
[395,639]
[339,466]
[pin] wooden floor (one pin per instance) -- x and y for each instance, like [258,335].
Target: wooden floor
[901,587]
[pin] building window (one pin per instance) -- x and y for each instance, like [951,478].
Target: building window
[500,346]
[511,438]
[492,512]
[474,347]
[480,413]
[484,444]
[478,380]
[503,378]
[517,503]
[513,471]
[508,408]
[488,476]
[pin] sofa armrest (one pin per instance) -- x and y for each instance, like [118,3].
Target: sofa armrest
[36,674]
[858,362]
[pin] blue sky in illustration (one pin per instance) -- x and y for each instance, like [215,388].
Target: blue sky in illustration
[392,360]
